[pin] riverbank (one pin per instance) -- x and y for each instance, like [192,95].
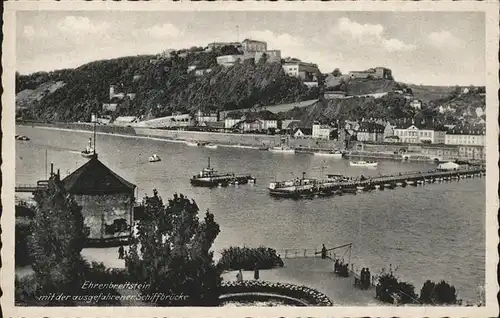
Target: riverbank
[222,139]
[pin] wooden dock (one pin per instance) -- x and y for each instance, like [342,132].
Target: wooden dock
[330,188]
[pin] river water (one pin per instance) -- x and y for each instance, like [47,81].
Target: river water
[436,231]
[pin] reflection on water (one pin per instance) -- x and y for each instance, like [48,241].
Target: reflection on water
[432,232]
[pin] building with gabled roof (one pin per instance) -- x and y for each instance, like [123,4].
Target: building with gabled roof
[370,131]
[466,134]
[411,131]
[107,201]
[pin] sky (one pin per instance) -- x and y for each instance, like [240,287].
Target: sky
[429,48]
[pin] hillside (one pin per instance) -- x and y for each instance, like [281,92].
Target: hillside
[427,93]
[389,107]
[357,86]
[27,96]
[360,86]
[161,85]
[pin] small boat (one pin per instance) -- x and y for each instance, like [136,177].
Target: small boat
[282,149]
[410,182]
[192,143]
[154,158]
[211,146]
[202,143]
[22,138]
[363,163]
[264,148]
[333,154]
[89,152]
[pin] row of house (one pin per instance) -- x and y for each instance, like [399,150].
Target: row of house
[404,131]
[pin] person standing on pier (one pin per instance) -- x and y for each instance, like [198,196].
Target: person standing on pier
[121,252]
[256,272]
[323,252]
[367,278]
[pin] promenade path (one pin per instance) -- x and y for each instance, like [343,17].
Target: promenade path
[313,272]
[316,273]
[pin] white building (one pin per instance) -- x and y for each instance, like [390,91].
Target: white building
[253,46]
[230,60]
[420,133]
[109,107]
[416,104]
[306,71]
[320,131]
[206,116]
[474,135]
[202,72]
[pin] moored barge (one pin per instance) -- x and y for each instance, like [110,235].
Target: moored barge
[337,185]
[209,177]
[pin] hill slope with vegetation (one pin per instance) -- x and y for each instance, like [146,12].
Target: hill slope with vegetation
[161,85]
[391,106]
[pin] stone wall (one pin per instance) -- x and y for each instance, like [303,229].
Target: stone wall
[108,208]
[230,139]
[83,126]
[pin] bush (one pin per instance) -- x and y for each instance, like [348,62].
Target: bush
[28,290]
[438,294]
[246,258]
[23,231]
[390,287]
[171,252]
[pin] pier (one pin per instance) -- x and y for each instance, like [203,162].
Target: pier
[306,188]
[40,185]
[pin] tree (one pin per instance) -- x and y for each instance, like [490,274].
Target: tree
[336,72]
[229,50]
[57,239]
[172,252]
[263,59]
[390,287]
[438,294]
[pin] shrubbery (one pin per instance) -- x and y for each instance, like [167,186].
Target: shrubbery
[246,258]
[390,289]
[438,294]
[29,289]
[23,231]
[172,252]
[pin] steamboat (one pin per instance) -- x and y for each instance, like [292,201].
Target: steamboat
[209,177]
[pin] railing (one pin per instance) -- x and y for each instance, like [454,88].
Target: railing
[355,272]
[29,187]
[299,252]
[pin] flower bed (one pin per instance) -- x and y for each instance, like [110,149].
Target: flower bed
[245,258]
[303,293]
